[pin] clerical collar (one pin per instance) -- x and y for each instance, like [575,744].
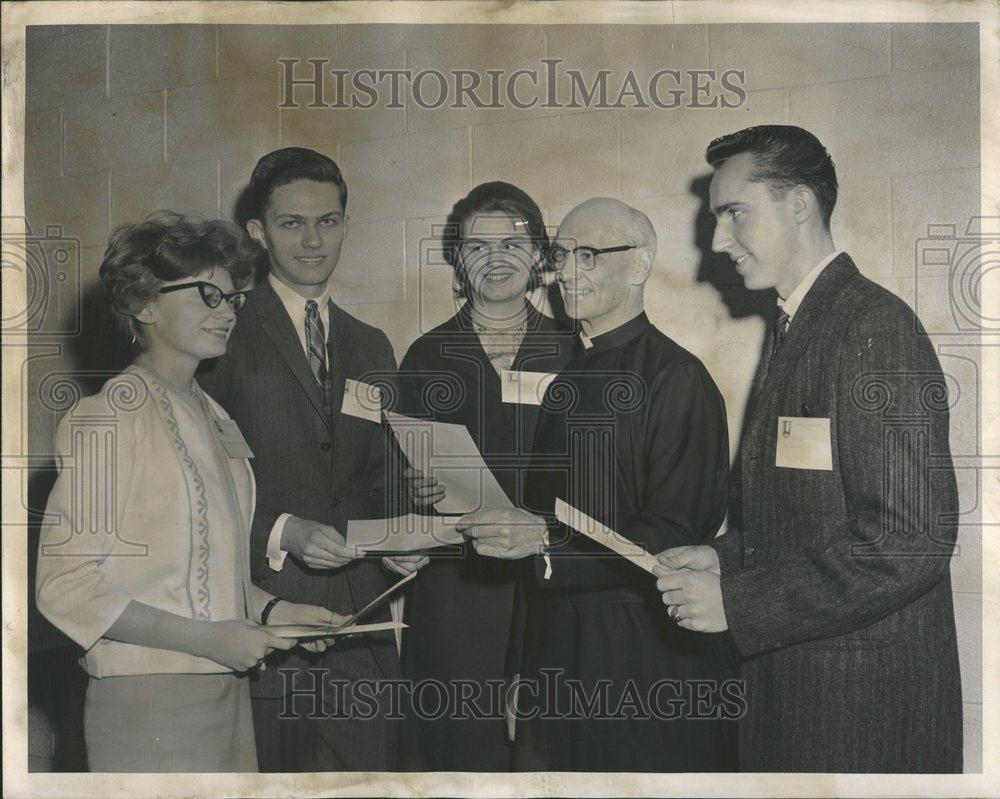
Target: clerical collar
[620,335]
[791,305]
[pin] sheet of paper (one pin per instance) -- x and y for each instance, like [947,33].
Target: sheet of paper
[362,401]
[303,631]
[604,536]
[524,388]
[402,533]
[381,598]
[447,452]
[804,443]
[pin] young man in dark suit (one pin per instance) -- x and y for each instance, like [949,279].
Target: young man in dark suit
[300,379]
[833,579]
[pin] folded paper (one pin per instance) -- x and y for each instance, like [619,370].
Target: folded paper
[604,536]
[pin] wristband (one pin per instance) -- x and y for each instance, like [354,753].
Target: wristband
[268,608]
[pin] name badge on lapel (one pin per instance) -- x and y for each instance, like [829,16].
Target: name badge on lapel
[524,388]
[362,401]
[232,439]
[804,443]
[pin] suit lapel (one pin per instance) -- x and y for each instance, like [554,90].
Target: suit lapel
[818,302]
[279,328]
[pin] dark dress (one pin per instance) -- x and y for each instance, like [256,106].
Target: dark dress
[459,609]
[633,433]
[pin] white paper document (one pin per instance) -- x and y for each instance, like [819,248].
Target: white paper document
[804,443]
[326,631]
[524,388]
[447,452]
[407,533]
[604,536]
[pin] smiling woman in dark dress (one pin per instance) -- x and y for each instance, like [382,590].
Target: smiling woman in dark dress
[459,611]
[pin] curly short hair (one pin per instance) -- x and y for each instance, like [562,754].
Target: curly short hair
[166,246]
[495,197]
[784,156]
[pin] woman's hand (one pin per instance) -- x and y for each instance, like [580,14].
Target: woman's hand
[423,491]
[240,644]
[286,612]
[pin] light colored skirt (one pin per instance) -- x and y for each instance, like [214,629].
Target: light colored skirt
[170,723]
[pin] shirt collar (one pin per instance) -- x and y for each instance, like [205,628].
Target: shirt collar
[294,302]
[791,305]
[620,335]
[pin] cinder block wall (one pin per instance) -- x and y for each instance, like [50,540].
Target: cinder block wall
[122,120]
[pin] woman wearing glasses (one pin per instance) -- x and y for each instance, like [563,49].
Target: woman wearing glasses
[480,369]
[143,560]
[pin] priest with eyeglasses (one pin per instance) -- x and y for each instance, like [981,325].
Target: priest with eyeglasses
[633,434]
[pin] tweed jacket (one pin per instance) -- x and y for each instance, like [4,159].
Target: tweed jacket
[835,580]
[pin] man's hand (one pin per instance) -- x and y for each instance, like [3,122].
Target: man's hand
[423,491]
[318,546]
[697,558]
[405,564]
[690,583]
[286,612]
[504,533]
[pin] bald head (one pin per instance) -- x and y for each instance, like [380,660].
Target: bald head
[612,223]
[604,289]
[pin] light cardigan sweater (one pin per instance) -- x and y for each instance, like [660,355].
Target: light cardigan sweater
[143,509]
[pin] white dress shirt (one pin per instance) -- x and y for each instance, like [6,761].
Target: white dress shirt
[295,306]
[791,305]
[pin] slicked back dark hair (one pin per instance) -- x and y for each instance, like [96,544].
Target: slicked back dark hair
[495,197]
[284,166]
[784,156]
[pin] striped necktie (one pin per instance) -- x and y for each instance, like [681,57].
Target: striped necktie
[781,320]
[316,342]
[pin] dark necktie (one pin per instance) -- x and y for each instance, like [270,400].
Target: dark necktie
[781,320]
[316,342]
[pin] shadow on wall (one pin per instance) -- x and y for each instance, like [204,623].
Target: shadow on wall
[718,270]
[56,683]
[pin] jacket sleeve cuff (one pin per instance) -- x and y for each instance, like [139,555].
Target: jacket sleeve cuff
[275,554]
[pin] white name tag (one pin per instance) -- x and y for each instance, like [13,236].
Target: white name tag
[804,443]
[232,439]
[524,388]
[362,401]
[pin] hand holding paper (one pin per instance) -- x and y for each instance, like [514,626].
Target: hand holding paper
[293,613]
[508,533]
[423,491]
[689,578]
[447,453]
[402,534]
[696,558]
[317,545]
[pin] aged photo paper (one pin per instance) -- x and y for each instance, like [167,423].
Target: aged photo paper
[113,110]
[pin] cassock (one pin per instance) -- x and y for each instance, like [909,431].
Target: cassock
[459,608]
[633,433]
